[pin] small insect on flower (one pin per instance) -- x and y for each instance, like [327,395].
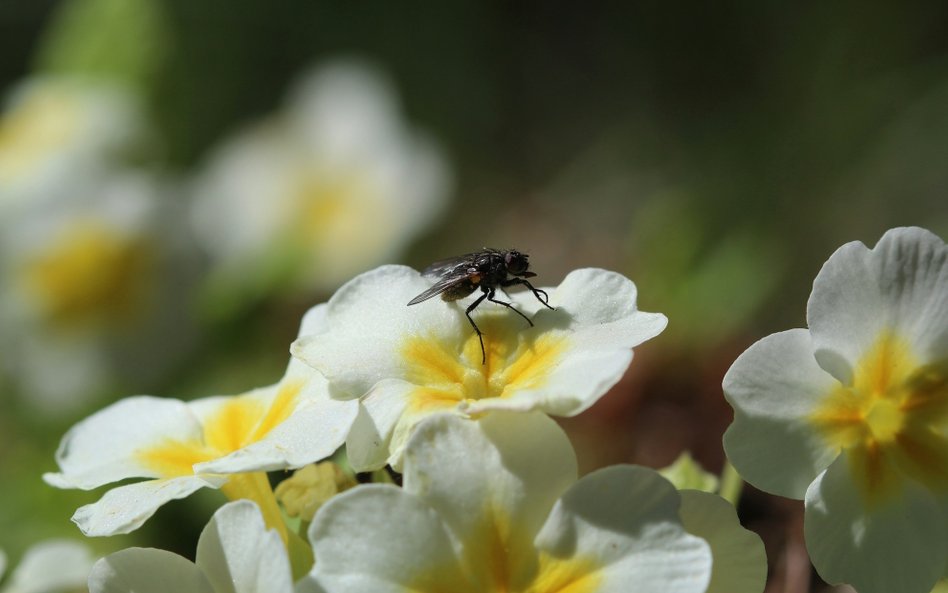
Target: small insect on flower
[460,276]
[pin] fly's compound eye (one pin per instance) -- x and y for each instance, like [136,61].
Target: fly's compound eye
[516,262]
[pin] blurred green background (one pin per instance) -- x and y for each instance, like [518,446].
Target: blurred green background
[715,154]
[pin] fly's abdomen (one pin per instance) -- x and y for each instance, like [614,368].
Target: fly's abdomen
[460,290]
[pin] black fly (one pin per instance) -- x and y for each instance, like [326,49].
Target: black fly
[460,276]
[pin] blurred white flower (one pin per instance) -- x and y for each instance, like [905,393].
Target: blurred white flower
[334,184]
[236,553]
[225,442]
[52,566]
[851,414]
[495,506]
[54,130]
[406,363]
[90,285]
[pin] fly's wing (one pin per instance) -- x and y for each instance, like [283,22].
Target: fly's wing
[449,265]
[459,274]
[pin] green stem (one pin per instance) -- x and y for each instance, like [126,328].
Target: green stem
[731,484]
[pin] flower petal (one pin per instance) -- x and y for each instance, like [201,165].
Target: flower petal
[773,387]
[571,387]
[625,520]
[317,427]
[146,570]
[900,285]
[739,560]
[52,565]
[126,508]
[900,546]
[370,445]
[238,554]
[358,547]
[367,320]
[603,304]
[101,448]
[448,457]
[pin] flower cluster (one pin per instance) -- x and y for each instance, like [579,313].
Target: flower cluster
[488,496]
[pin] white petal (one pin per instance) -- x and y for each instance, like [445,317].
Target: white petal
[146,570]
[773,386]
[739,560]
[573,385]
[229,219]
[238,554]
[369,443]
[899,546]
[900,285]
[368,320]
[625,519]
[448,457]
[314,322]
[359,547]
[53,565]
[101,448]
[126,508]
[602,305]
[316,428]
[344,108]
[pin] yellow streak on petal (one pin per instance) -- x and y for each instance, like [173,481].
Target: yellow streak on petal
[280,409]
[244,420]
[891,421]
[239,422]
[171,458]
[571,575]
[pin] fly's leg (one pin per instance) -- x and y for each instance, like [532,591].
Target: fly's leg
[490,297]
[545,298]
[477,330]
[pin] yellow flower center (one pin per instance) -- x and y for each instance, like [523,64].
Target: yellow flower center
[499,559]
[891,421]
[88,274]
[32,130]
[516,358]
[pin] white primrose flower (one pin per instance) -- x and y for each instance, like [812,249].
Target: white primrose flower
[54,130]
[51,566]
[852,414]
[236,553]
[225,442]
[495,506]
[406,363]
[334,184]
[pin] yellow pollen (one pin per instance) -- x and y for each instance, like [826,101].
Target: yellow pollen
[89,274]
[891,422]
[447,373]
